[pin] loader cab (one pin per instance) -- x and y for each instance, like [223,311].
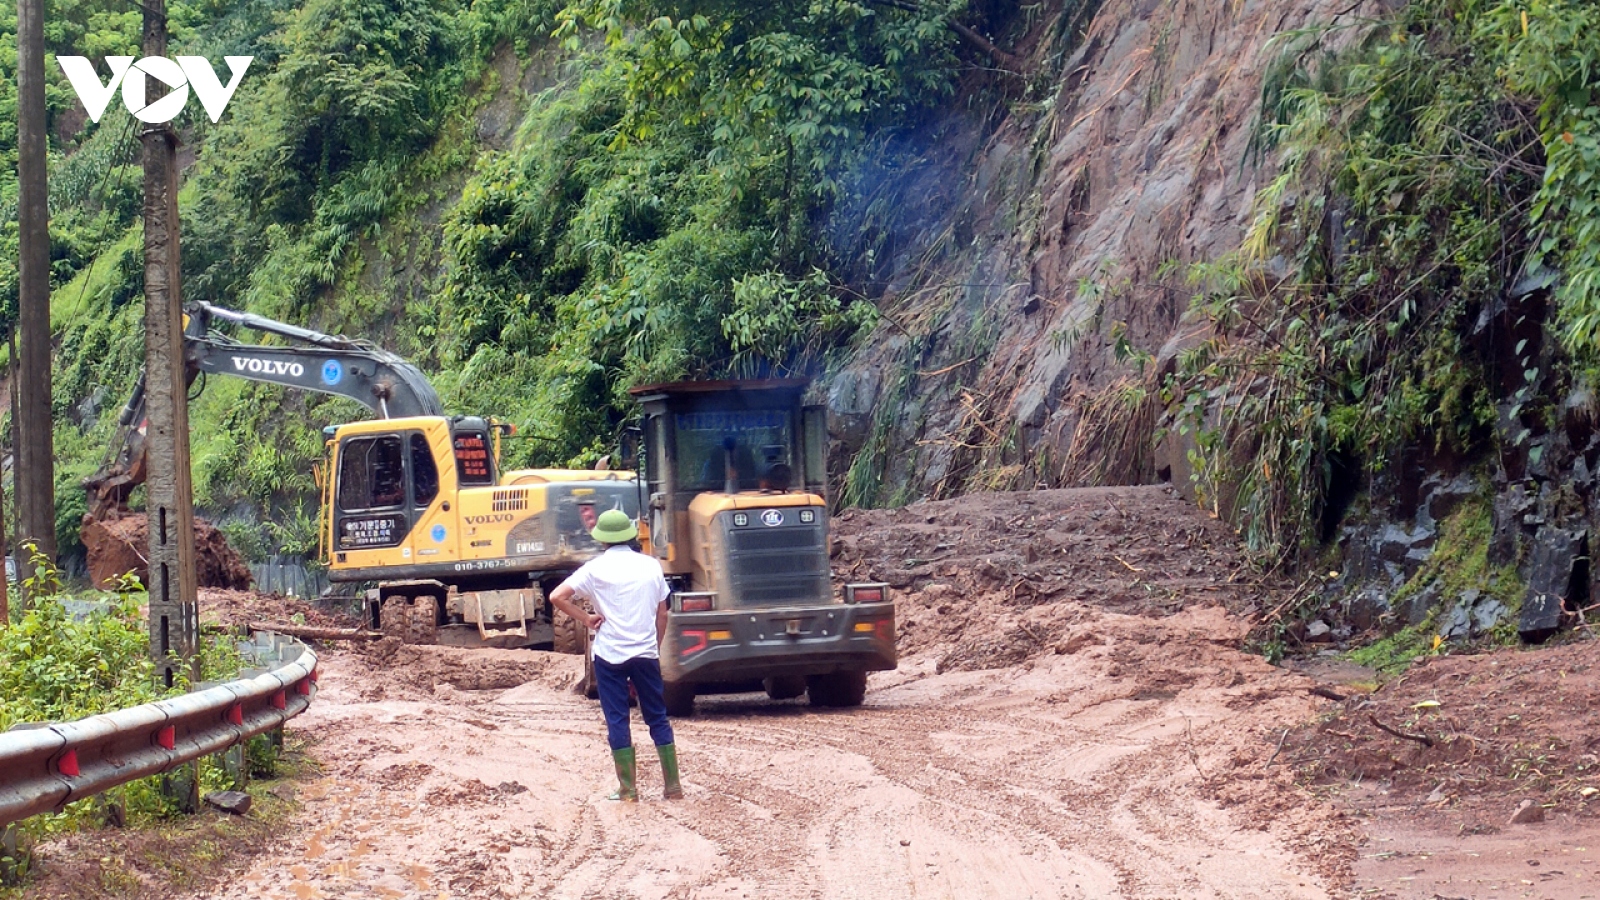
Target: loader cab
[735,480]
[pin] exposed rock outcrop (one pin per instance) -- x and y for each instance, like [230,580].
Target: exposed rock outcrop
[1026,242]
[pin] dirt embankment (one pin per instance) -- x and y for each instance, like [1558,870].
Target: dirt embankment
[991,580]
[117,547]
[240,608]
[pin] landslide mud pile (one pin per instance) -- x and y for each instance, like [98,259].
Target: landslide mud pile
[236,608]
[118,546]
[1469,737]
[990,580]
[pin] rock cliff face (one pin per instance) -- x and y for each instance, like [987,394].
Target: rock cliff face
[1031,243]
[1035,291]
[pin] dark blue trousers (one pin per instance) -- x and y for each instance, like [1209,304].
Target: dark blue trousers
[612,680]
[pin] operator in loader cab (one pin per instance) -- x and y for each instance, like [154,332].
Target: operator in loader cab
[629,596]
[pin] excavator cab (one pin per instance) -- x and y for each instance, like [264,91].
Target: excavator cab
[738,516]
[388,473]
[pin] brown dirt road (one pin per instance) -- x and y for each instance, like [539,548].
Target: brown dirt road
[1055,780]
[1090,734]
[1072,717]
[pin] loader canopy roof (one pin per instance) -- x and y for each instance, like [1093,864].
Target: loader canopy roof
[708,426]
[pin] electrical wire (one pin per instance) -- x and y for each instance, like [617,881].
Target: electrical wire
[105,226]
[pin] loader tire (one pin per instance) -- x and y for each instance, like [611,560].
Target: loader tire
[414,620]
[569,634]
[838,689]
[679,699]
[786,687]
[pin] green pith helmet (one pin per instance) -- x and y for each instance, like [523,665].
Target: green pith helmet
[614,527]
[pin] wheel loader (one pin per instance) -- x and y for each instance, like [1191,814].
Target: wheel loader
[736,512]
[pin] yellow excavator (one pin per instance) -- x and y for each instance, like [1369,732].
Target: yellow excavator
[735,473]
[415,503]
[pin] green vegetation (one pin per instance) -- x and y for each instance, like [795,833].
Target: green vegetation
[666,208]
[57,667]
[1413,191]
[1460,562]
[660,216]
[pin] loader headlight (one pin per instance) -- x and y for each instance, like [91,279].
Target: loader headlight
[740,520]
[808,516]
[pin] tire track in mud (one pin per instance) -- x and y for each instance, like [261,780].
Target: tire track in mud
[950,794]
[1055,779]
[1065,808]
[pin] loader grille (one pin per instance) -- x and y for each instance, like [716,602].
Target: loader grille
[778,566]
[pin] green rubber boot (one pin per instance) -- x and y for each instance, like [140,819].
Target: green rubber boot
[669,771]
[624,760]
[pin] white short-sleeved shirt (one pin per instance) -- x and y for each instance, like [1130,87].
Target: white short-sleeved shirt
[627,588]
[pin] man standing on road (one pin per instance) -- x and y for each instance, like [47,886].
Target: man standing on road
[629,595]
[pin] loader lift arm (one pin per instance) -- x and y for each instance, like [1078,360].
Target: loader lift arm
[328,364]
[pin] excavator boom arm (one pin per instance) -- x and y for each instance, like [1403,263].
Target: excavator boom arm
[384,383]
[328,364]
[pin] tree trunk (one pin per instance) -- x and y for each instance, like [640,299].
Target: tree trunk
[35,464]
[5,597]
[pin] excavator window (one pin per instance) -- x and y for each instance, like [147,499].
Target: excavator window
[372,474]
[424,474]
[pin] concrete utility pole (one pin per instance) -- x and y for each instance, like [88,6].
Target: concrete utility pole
[35,464]
[174,618]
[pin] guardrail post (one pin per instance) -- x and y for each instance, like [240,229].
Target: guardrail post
[237,764]
[14,854]
[183,785]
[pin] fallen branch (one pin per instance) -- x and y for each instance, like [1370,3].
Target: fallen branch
[1281,738]
[1030,633]
[1333,695]
[950,368]
[1422,739]
[318,634]
[1012,64]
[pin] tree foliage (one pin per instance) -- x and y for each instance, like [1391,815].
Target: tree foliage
[1549,54]
[661,217]
[663,211]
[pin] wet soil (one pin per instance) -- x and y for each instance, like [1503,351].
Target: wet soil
[117,546]
[238,609]
[1073,716]
[1485,734]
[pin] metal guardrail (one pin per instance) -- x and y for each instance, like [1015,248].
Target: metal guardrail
[44,768]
